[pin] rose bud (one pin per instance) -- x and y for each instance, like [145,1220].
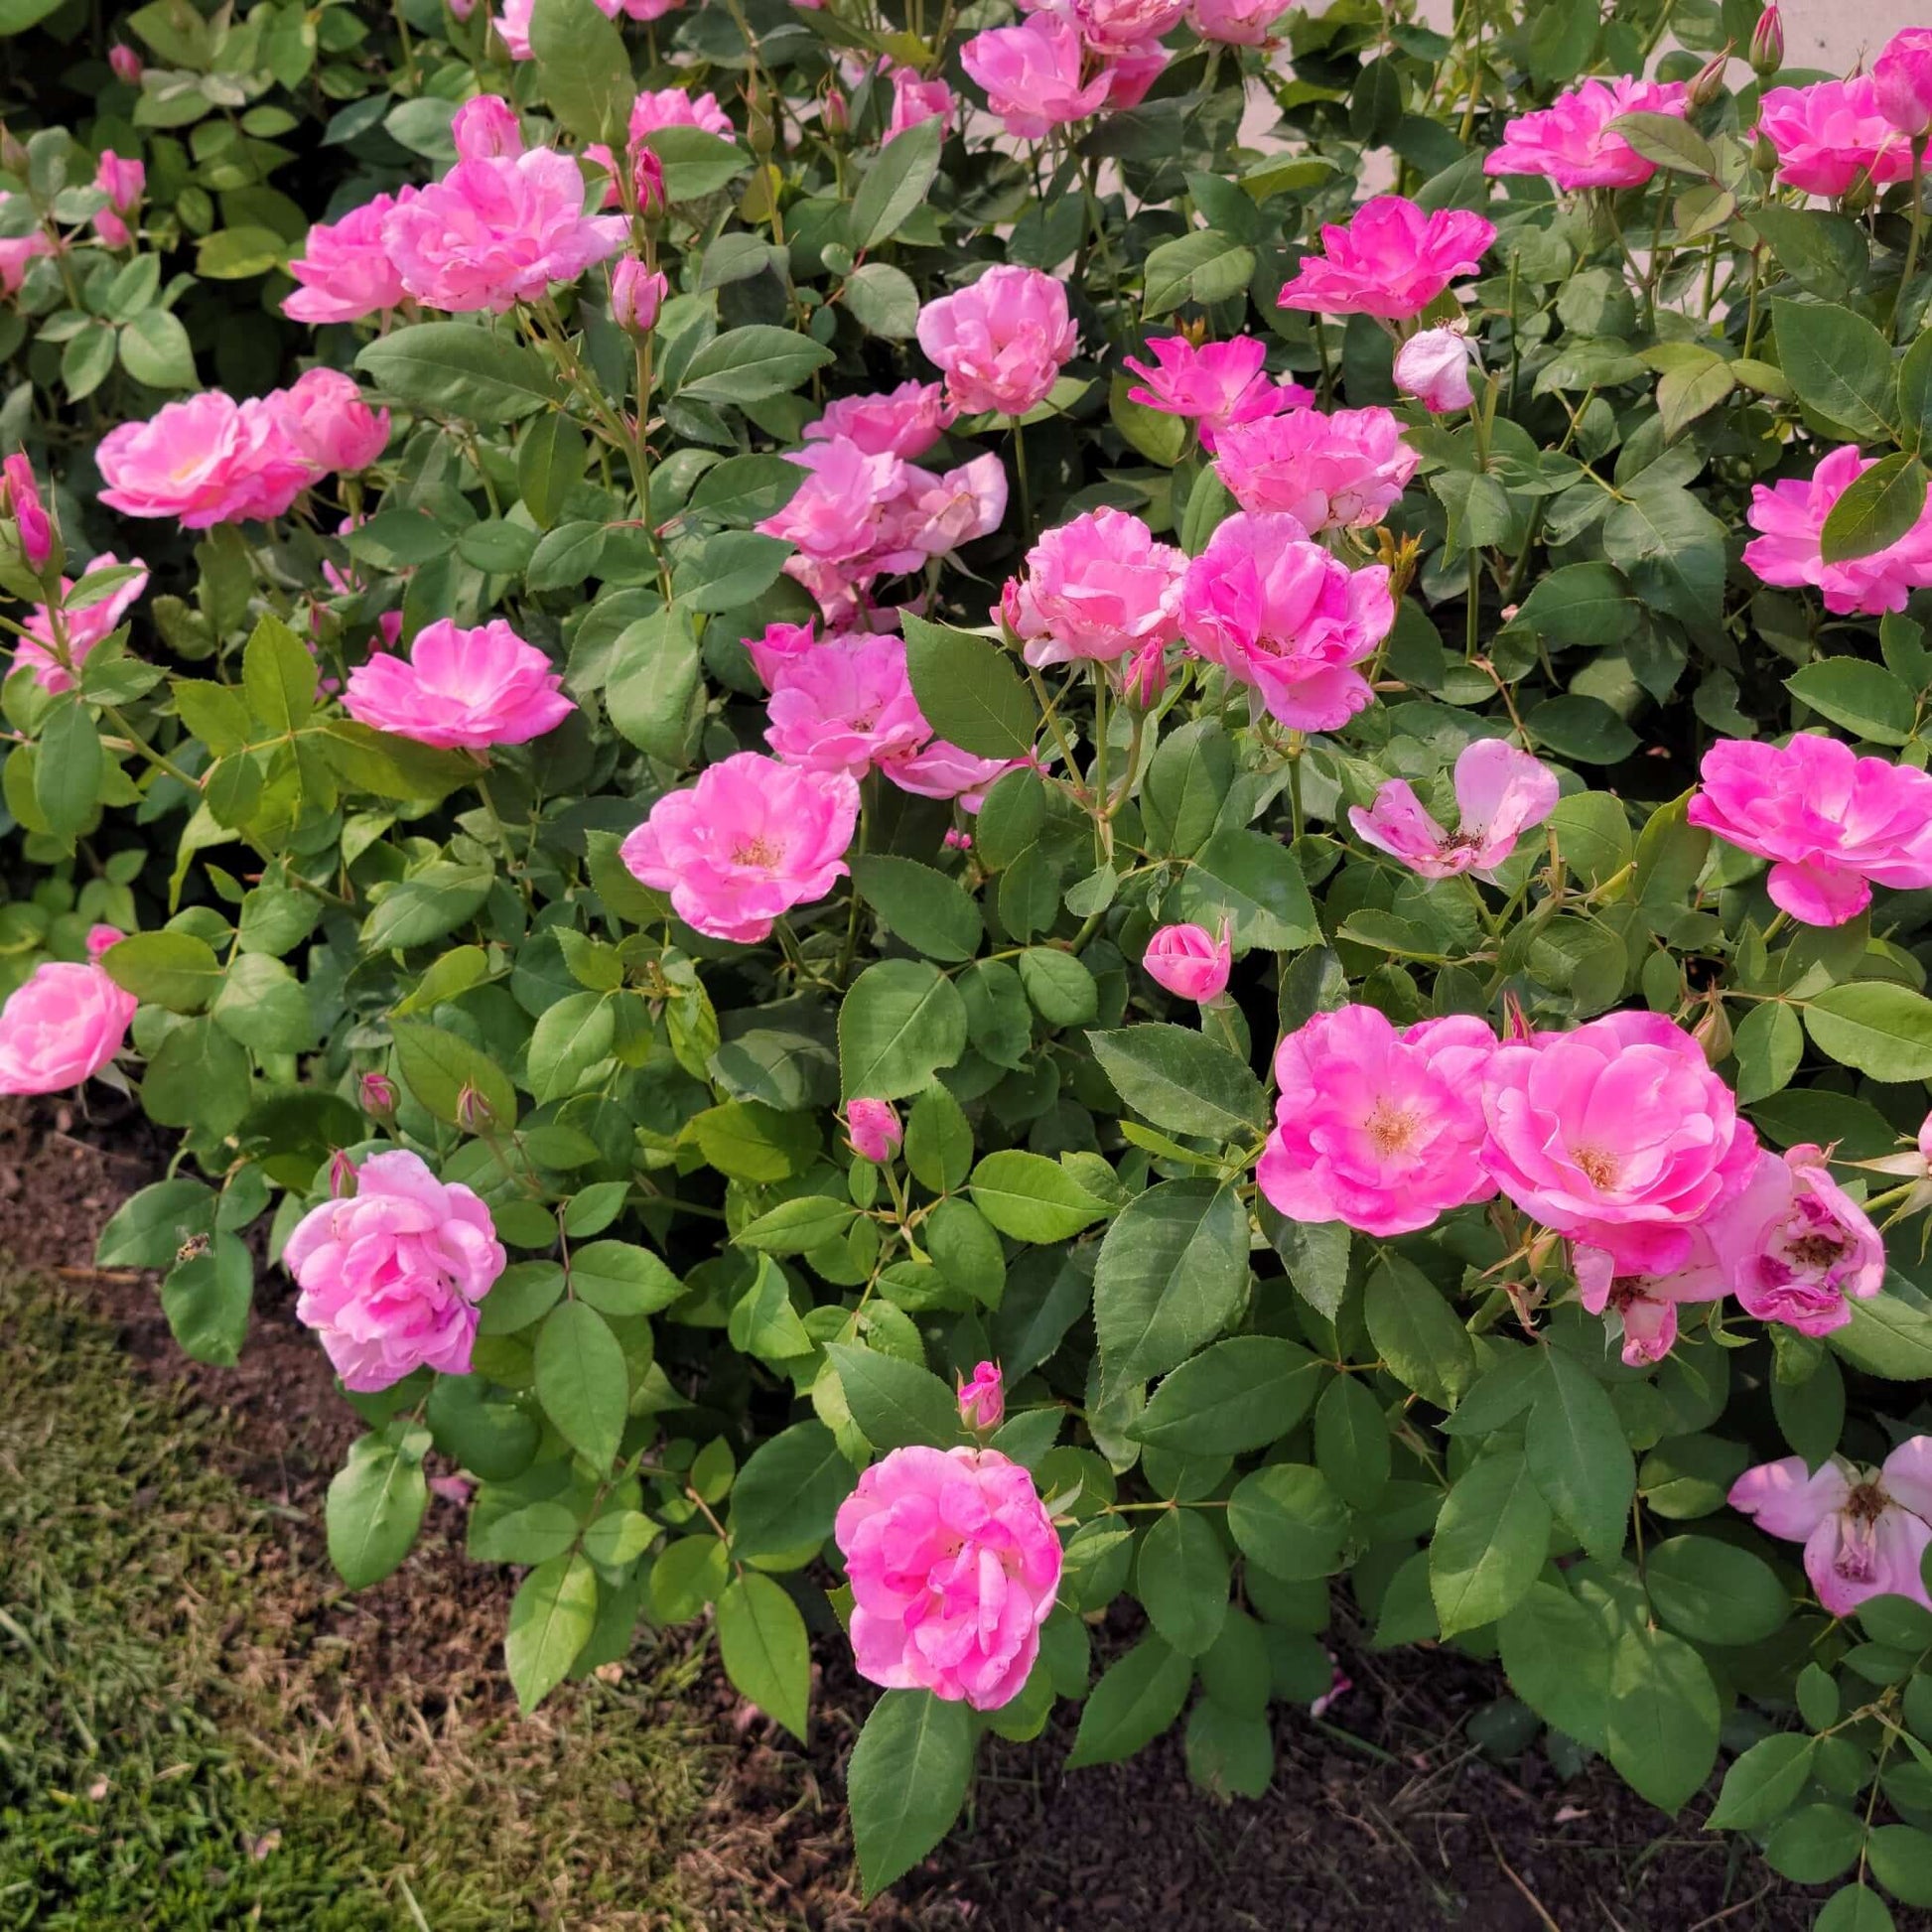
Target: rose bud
[1189,961]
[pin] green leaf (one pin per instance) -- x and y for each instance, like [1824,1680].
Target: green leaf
[149,1228]
[931,912]
[583,68]
[67,772]
[1878,1027]
[969,691]
[461,368]
[1763,1783]
[1182,1082]
[695,162]
[938,1147]
[375,1506]
[437,1065]
[619,1278]
[1171,1273]
[583,1382]
[1187,782]
[1239,1394]
[1864,698]
[1137,1699]
[1416,1333]
[1490,1542]
[432,903]
[167,969]
[1252,882]
[1579,604]
[1877,509]
[1352,1442]
[1669,140]
[894,1402]
[1182,1580]
[1838,365]
[1556,1655]
[1286,1518]
[762,1640]
[570,1039]
[788,1492]
[155,349]
[1576,1449]
[551,1619]
[1715,1592]
[207,1299]
[1664,1717]
[655,676]
[1858,1909]
[1901,1861]
[906,1781]
[895,183]
[748,364]
[900,1021]
[198,1077]
[1890,1334]
[1032,1198]
[1204,266]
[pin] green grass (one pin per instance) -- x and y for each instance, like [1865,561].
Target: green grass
[180,1746]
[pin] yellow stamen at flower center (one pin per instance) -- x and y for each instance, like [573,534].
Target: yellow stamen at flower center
[1391,1130]
[758,852]
[1597,1168]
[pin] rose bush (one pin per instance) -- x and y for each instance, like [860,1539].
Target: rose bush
[948,848]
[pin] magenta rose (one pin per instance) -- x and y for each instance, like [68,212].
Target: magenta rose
[1392,260]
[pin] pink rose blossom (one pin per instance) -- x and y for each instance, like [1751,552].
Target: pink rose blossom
[206,461]
[752,838]
[375,1093]
[125,62]
[62,1025]
[1570,142]
[932,516]
[637,292]
[1865,1530]
[1434,367]
[324,415]
[1280,613]
[487,128]
[1790,549]
[492,233]
[1794,1244]
[1832,823]
[1235,23]
[874,1129]
[17,251]
[916,99]
[1392,260]
[846,706]
[1616,1133]
[1829,134]
[123,183]
[391,1276]
[473,688]
[1095,588]
[1213,384]
[1031,76]
[85,628]
[983,1400]
[1901,80]
[1647,1304]
[1190,962]
[19,498]
[904,422]
[939,769]
[779,646]
[954,1564]
[1001,342]
[1377,1127]
[1125,26]
[1129,74]
[673,108]
[514,23]
[836,514]
[346,268]
[1330,470]
[1500,793]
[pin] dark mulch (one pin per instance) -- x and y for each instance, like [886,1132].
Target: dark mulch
[1383,1814]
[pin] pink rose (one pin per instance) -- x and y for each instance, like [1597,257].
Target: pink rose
[346,268]
[904,422]
[1829,134]
[1330,470]
[1095,588]
[1125,26]
[1130,73]
[942,770]
[492,233]
[1790,551]
[1001,342]
[375,1093]
[835,514]
[1647,1304]
[85,627]
[19,498]
[123,183]
[1500,793]
[779,646]
[1865,1530]
[62,1025]
[1794,1244]
[1434,367]
[1570,141]
[487,128]
[1031,76]
[1235,23]
[1392,260]
[1190,962]
[514,23]
[673,108]
[1901,80]
[983,1400]
[752,838]
[875,1130]
[931,517]
[390,1278]
[1828,820]
[637,292]
[846,706]
[125,62]
[953,1564]
[1378,1127]
[1213,384]
[473,688]
[326,418]
[916,99]
[1280,613]
[16,251]
[206,461]
[1616,1133]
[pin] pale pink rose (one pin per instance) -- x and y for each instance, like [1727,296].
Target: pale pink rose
[874,1127]
[1190,962]
[1794,1244]
[637,292]
[1434,367]
[1616,1133]
[85,628]
[1829,134]
[206,461]
[673,108]
[932,516]
[939,769]
[391,1276]
[487,128]
[1031,75]
[1392,260]
[1865,1530]
[1095,588]
[835,516]
[983,1400]
[904,422]
[1330,470]
[471,688]
[324,415]
[20,500]
[1377,1127]
[1125,26]
[1212,383]
[752,838]
[1280,613]
[1500,793]
[846,706]
[1235,23]
[61,1025]
[917,99]
[346,268]
[1901,80]
[125,62]
[1789,551]
[1001,342]
[954,1564]
[17,251]
[123,181]
[1647,1304]
[492,233]
[1832,823]
[1570,141]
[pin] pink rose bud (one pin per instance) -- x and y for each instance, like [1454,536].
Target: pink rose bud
[100,938]
[377,1096]
[833,111]
[341,1175]
[1709,81]
[126,63]
[875,1130]
[983,1400]
[21,498]
[958,841]
[1189,961]
[474,1114]
[121,180]
[1434,367]
[325,420]
[1144,676]
[487,128]
[462,9]
[647,178]
[1767,44]
[1901,78]
[636,294]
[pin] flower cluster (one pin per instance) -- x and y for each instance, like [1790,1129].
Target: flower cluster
[1064,63]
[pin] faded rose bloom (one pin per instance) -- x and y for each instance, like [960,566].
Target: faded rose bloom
[1646,1304]
[1434,367]
[1500,793]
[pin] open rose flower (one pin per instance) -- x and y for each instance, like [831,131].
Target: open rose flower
[673,108]
[917,99]
[1125,26]
[206,461]
[1646,1304]
[1213,385]
[845,705]
[954,1564]
[1391,261]
[85,628]
[1901,80]
[345,269]
[1789,551]
[1830,133]
[1330,470]
[1190,962]
[471,688]
[64,1024]
[393,1275]
[939,769]
[904,422]
[1033,75]
[1832,824]
[1500,793]
[1001,342]
[1570,142]
[1095,588]
[1377,1127]
[1865,1530]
